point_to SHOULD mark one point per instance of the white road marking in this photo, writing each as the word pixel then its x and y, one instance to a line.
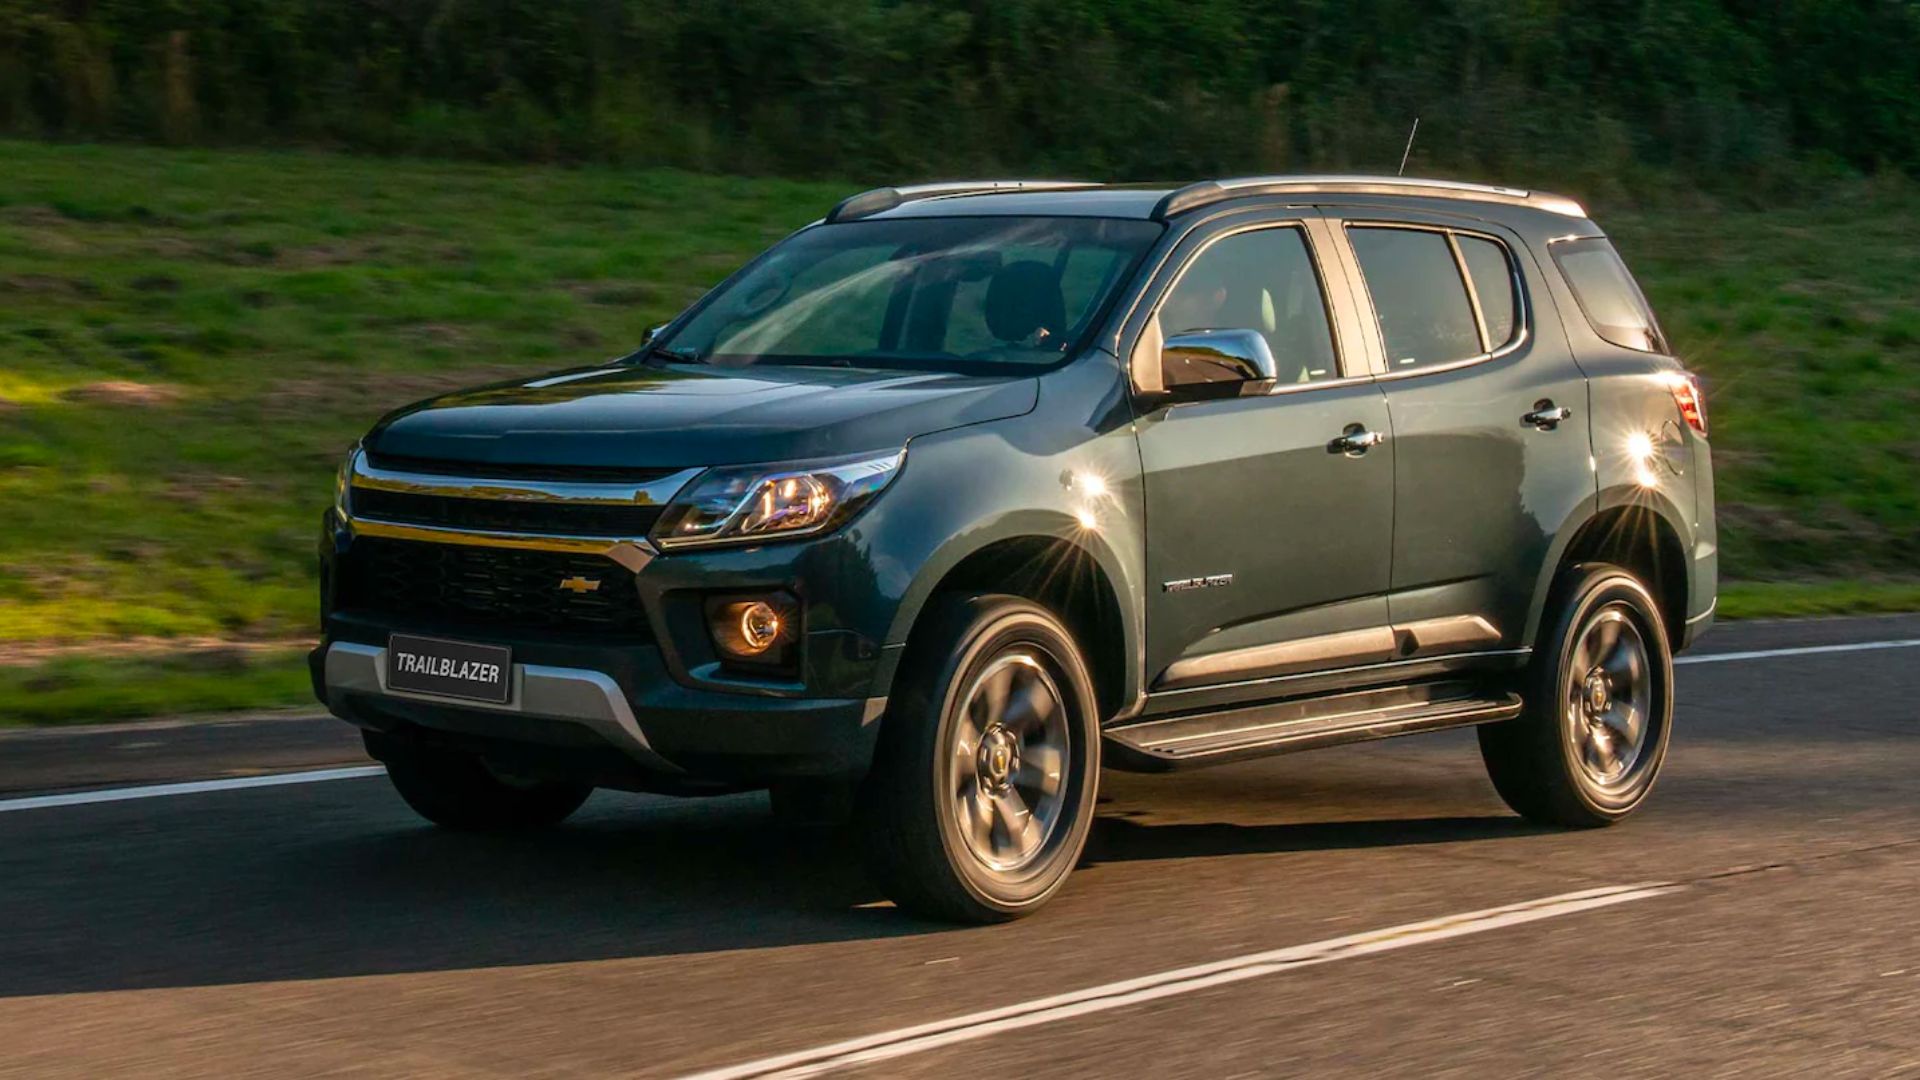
pixel 913 1040
pixel 155 791
pixel 1806 650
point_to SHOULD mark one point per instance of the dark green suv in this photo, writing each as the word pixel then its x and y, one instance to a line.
pixel 967 490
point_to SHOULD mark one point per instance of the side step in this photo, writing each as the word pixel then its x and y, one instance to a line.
pixel 1286 726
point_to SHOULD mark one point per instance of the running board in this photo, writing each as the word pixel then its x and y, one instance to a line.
pixel 1286 726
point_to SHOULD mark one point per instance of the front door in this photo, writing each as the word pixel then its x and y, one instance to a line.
pixel 1268 545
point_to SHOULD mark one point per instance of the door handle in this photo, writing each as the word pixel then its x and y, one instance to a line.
pixel 1546 415
pixel 1355 440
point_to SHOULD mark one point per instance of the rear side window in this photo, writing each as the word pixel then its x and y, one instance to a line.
pixel 1418 296
pixel 1613 304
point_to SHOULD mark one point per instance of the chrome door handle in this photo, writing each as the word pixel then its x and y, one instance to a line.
pixel 1546 415
pixel 1356 440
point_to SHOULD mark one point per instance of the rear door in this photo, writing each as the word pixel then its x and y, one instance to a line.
pixel 1267 552
pixel 1489 414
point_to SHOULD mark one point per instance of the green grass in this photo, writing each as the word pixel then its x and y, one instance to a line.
pixel 1805 322
pixel 1786 599
pixel 276 304
pixel 261 309
pixel 79 690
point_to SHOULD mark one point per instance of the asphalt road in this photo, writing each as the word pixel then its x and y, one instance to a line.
pixel 319 928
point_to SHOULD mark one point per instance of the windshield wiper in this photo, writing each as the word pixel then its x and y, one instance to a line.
pixel 807 361
pixel 678 356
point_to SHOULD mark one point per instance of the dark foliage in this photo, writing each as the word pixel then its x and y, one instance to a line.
pixel 1735 94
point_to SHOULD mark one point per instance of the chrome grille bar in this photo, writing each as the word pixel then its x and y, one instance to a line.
pixel 652 493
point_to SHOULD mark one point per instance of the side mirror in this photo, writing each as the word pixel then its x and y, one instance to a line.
pixel 1217 363
pixel 646 339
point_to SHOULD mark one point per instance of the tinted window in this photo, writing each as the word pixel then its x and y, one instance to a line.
pixel 953 294
pixel 1425 317
pixel 1087 273
pixel 846 316
pixel 1612 302
pixel 1493 285
pixel 1262 281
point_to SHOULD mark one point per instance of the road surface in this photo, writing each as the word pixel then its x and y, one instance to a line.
pixel 1359 911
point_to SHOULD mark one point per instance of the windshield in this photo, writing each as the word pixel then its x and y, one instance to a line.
pixel 964 294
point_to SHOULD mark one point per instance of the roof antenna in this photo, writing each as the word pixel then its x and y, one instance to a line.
pixel 1409 150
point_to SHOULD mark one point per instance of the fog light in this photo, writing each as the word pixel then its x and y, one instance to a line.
pixel 759 627
pixel 757 632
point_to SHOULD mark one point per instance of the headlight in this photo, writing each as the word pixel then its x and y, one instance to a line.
pixel 343 482
pixel 737 505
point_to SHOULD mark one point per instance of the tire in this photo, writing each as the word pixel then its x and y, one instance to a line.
pixel 982 788
pixel 1599 706
pixel 458 791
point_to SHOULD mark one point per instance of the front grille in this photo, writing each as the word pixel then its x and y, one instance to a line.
pixel 490 589
pixel 616 521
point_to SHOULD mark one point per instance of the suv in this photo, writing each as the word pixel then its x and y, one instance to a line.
pixel 966 490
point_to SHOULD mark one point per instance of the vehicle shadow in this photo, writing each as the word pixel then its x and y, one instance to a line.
pixel 1120 839
pixel 349 892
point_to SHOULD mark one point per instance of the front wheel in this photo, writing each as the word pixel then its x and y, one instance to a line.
pixel 1599 706
pixel 982 789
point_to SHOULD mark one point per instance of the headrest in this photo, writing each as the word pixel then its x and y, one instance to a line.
pixel 1022 298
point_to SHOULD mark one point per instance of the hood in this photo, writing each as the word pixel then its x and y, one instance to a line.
pixel 677 416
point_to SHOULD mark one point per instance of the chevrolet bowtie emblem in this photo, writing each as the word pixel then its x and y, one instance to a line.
pixel 581 585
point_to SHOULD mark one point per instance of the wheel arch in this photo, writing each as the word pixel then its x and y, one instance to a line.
pixel 1073 576
pixel 1639 535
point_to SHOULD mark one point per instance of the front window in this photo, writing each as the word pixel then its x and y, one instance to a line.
pixel 964 294
pixel 1264 281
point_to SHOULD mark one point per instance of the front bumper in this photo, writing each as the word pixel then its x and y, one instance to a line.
pixel 626 707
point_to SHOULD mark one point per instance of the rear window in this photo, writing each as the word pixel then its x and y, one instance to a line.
pixel 1613 304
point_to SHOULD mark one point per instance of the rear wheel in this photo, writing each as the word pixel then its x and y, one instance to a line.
pixel 1599 706
pixel 982 789
pixel 458 791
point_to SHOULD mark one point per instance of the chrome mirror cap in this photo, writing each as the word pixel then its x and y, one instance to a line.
pixel 1208 357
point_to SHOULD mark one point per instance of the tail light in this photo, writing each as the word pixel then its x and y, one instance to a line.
pixel 1690 397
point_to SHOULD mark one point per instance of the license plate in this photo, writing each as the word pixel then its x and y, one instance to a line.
pixel 450 668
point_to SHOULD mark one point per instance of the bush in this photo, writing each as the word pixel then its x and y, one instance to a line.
pixel 1726 93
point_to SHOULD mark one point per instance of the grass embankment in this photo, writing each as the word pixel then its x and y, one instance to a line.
pixel 189 340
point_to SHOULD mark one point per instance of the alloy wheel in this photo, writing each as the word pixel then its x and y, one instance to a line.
pixel 1007 769
pixel 1609 699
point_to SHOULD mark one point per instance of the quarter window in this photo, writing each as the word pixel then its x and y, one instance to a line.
pixel 1265 281
pixel 1425 315
pixel 1492 277
pixel 1614 305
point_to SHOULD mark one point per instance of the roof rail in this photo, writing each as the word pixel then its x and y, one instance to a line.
pixel 1208 192
pixel 879 200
